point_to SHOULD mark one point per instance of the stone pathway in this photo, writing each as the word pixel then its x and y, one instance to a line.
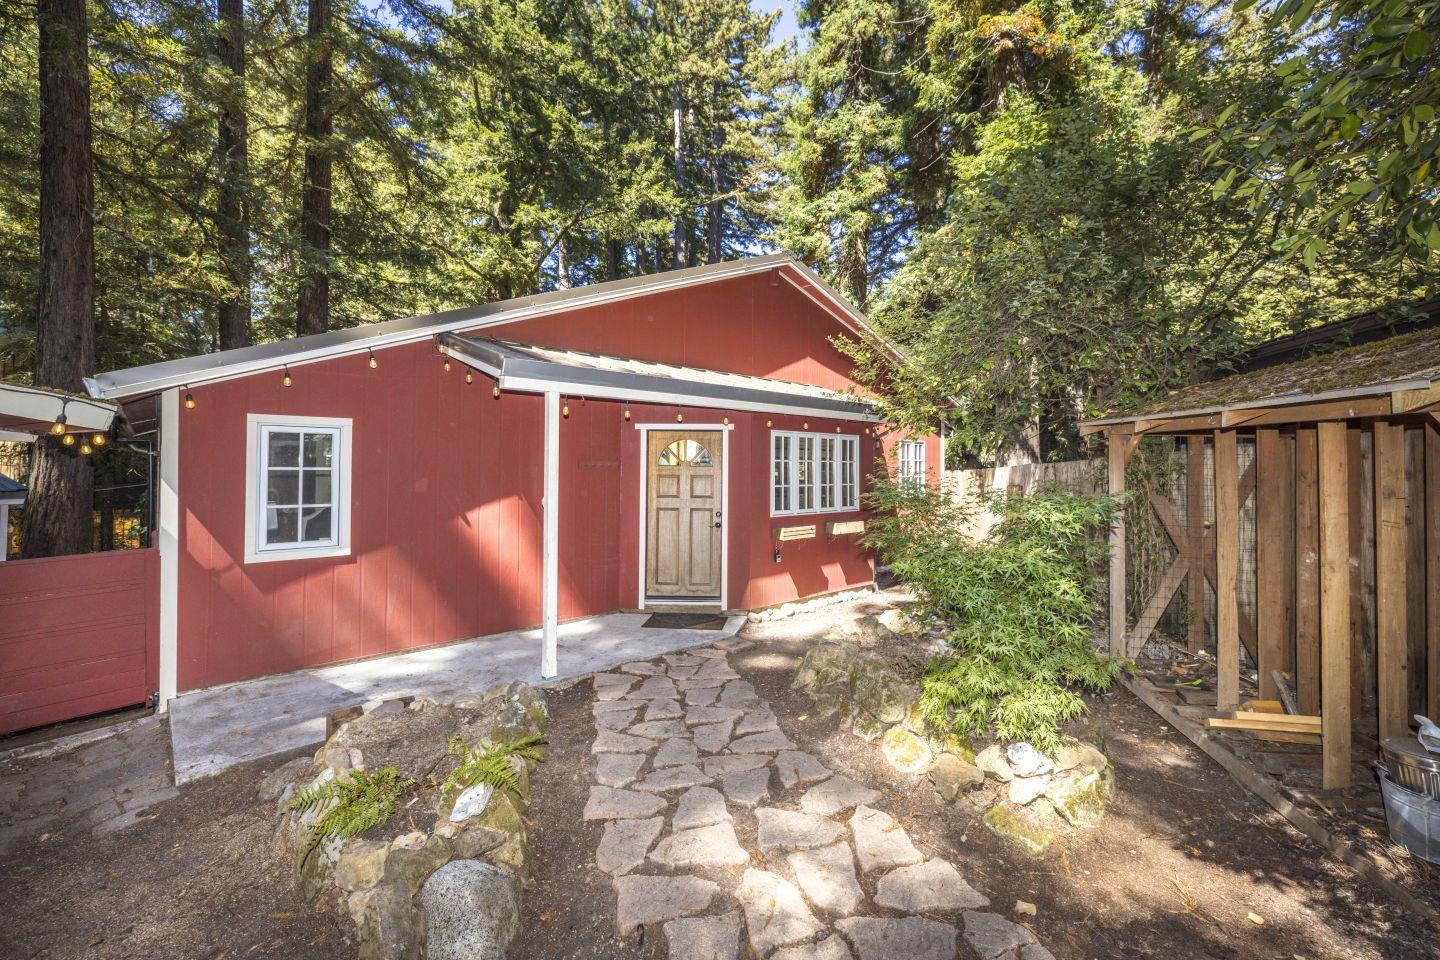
pixel 724 835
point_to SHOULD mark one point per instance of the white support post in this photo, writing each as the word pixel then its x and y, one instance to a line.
pixel 550 576
pixel 4 530
pixel 169 542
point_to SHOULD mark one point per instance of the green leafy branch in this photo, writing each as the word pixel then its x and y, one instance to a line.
pixel 351 804
pixel 487 762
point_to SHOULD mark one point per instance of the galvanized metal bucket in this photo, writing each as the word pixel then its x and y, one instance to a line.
pixel 1411 765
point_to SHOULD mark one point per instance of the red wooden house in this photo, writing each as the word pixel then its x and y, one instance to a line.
pixel 625 445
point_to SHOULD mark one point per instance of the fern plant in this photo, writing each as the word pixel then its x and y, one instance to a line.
pixel 352 804
pixel 486 762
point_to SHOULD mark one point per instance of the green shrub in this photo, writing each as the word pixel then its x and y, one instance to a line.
pixel 1018 607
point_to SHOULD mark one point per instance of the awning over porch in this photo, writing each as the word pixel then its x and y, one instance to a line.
pixel 28 412
pixel 530 368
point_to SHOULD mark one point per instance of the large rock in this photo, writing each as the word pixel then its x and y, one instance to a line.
pixel 952 776
pixel 388 925
pixel 992 761
pixel 472 911
pixel 907 752
pixel 882 693
pixel 825 658
pixel 1080 800
pixel 361 864
pixel 1018 826
pixel 796 768
pixel 700 807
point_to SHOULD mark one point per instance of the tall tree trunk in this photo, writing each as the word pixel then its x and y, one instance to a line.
pixel 678 260
pixel 233 211
pixel 57 518
pixel 715 209
pixel 562 264
pixel 855 268
pixel 613 252
pixel 312 314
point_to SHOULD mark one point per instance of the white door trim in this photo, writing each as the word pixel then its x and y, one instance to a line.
pixel 550 566
pixel 169 504
pixel 724 431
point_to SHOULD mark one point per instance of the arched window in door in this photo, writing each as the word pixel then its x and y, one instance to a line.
pixel 680 453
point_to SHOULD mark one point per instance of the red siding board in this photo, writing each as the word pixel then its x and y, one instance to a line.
pixel 446 489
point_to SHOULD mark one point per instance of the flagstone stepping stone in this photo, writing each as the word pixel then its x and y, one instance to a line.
pixel 672 778
pixel 704 938
pixel 740 693
pixel 696 716
pixel 775 913
pixel 713 737
pixel 615 721
pixel 991 935
pixel 731 762
pixel 711 652
pixel 761 720
pixel 796 768
pixel 674 753
pixel 1033 951
pixel 682 672
pixel 625 843
pixel 716 670
pixel 885 938
pixel 880 842
pixel 836 795
pixel 643 668
pixel 700 807
pixel 831 948
pixel 712 846
pixel 700 696
pixel 731 644
pixel 787 830
pixel 618 769
pixel 684 659
pixel 601 707
pixel 827 877
pixel 746 787
pixel 654 688
pixel 664 710
pixel 645 899
pixel 927 887
pixel 762 743
pixel 611 686
pixel 608 741
pixel 659 729
pixel 608 803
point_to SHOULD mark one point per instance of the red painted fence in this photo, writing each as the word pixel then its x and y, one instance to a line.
pixel 78 635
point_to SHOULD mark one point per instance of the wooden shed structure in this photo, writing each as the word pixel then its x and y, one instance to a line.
pixel 1315 509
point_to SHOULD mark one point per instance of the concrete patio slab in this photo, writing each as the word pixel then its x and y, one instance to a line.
pixel 219 727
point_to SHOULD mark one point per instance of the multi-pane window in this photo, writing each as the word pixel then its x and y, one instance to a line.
pixel 813 473
pixel 298 502
pixel 910 457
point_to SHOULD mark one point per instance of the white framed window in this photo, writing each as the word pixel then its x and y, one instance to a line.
pixel 910 457
pixel 297 487
pixel 813 473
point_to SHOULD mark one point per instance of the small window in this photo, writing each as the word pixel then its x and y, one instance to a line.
pixel 910 457
pixel 685 453
pixel 813 473
pixel 297 504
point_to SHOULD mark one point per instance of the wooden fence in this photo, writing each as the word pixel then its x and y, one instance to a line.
pixel 970 485
pixel 78 635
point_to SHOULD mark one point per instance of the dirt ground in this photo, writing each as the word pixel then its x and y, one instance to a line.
pixel 1182 859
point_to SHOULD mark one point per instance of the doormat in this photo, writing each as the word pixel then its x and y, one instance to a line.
pixel 685 621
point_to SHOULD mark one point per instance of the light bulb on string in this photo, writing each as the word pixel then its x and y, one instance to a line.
pixel 769 423
pixel 58 427
pixel 447 364
pixel 468 377
pixel 189 398
pixel 495 391
pixel 287 381
pixel 806 425
pixel 85 449
pixel 565 409
pixel 98 439
pixel 373 362
pixel 679 418
pixel 627 411
pixel 68 439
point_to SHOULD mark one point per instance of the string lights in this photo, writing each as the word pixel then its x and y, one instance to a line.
pixel 189 398
pixel 627 411
pixel 68 439
pixel 85 449
pixel 98 439
pixel 58 427
pixel 373 362
pixel 679 418
pixel 468 377
pixel 495 390
pixel 287 381
pixel 565 410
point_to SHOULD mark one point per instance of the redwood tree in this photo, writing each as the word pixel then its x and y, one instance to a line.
pixel 233 209
pixel 312 314
pixel 57 518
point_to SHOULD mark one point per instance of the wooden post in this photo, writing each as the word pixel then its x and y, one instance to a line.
pixel 1195 536
pixel 1307 571
pixel 1391 650
pixel 1116 474
pixel 1275 550
pixel 1432 568
pixel 1334 606
pixel 1359 656
pixel 1227 564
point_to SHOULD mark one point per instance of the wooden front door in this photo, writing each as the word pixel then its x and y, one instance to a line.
pixel 684 526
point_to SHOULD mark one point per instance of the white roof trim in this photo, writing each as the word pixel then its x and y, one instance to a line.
pixel 230 364
pixel 43 406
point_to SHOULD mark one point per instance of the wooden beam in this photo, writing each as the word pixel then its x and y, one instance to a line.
pixel 1432 569
pixel 1307 570
pixel 1327 411
pixel 1247 483
pixel 1274 550
pixel 1334 605
pixel 1195 537
pixel 1115 473
pixel 1200 424
pixel 1227 565
pixel 1391 649
pixel 1155 606
pixel 1236 418
pixel 1166 514
pixel 1249 637
pixel 1408 401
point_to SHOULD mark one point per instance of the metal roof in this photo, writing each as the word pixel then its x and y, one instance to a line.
pixel 530 368
pixel 26 412
pixel 11 491
pixel 227 364
pixel 1407 362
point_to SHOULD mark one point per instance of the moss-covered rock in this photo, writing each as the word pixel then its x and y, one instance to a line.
pixel 882 692
pixel 1017 826
pixel 1080 800
pixel 906 751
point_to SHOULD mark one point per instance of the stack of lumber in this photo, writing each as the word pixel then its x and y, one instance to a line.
pixel 1267 720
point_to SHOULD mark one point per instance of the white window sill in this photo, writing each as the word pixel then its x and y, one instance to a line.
pixel 297 553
